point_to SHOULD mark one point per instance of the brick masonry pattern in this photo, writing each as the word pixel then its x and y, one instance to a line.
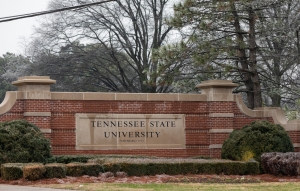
pixel 197 120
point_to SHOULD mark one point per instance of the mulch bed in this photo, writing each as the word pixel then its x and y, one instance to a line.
pixel 159 179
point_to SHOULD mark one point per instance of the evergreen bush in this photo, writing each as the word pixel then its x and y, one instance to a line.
pixel 111 167
pixel 281 163
pixel 92 169
pixel 254 139
pixel 55 170
pixel 21 141
pixel 134 169
pixel 70 158
pixel 12 171
pixel 75 169
pixel 34 171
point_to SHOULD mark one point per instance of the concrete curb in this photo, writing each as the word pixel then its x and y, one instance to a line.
pixel 5 187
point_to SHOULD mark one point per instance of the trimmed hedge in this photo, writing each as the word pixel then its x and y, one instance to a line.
pixel 133 169
pixel 254 139
pixel 138 167
pixel 55 170
pixel 12 171
pixel 281 163
pixel 180 166
pixel 111 167
pixel 34 171
pixel 75 169
pixel 92 169
pixel 66 159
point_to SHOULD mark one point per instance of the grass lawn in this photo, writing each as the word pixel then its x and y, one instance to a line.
pixel 178 186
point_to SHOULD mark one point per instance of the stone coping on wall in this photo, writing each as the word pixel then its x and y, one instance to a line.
pixel 8 102
pixel 127 96
pixel 38 87
pixel 261 112
pixel 276 113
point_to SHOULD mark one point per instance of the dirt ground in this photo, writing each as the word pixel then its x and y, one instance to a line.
pixel 121 178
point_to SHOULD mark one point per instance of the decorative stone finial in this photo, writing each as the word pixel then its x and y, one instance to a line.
pixel 33 80
pixel 34 87
pixel 217 90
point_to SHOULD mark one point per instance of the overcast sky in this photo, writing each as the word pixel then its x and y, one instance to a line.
pixel 13 33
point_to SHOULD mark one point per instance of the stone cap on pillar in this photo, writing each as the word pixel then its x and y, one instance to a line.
pixel 34 87
pixel 217 90
pixel 34 80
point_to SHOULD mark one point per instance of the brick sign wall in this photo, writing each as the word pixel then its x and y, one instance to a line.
pixel 170 125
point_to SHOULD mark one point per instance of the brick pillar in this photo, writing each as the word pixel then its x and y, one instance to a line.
pixel 35 91
pixel 220 112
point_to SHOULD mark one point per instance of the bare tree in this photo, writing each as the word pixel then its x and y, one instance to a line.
pixel 279 52
pixel 109 45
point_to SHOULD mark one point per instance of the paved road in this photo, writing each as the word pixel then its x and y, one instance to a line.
pixel 4 187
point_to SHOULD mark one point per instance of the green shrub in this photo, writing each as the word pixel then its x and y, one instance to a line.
pixel 281 163
pixel 92 169
pixel 70 158
pixel 134 169
pixel 75 169
pixel 34 171
pixel 188 168
pixel 172 168
pixel 140 167
pixel 12 171
pixel 55 170
pixel 155 168
pixel 22 142
pixel 229 168
pixel 203 167
pixel 254 139
pixel 111 167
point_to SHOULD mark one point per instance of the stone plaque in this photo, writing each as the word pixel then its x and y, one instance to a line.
pixel 129 131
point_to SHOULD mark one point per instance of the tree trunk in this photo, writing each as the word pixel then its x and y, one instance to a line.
pixel 242 59
pixel 252 60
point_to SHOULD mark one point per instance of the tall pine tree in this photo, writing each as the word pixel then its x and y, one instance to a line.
pixel 223 34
